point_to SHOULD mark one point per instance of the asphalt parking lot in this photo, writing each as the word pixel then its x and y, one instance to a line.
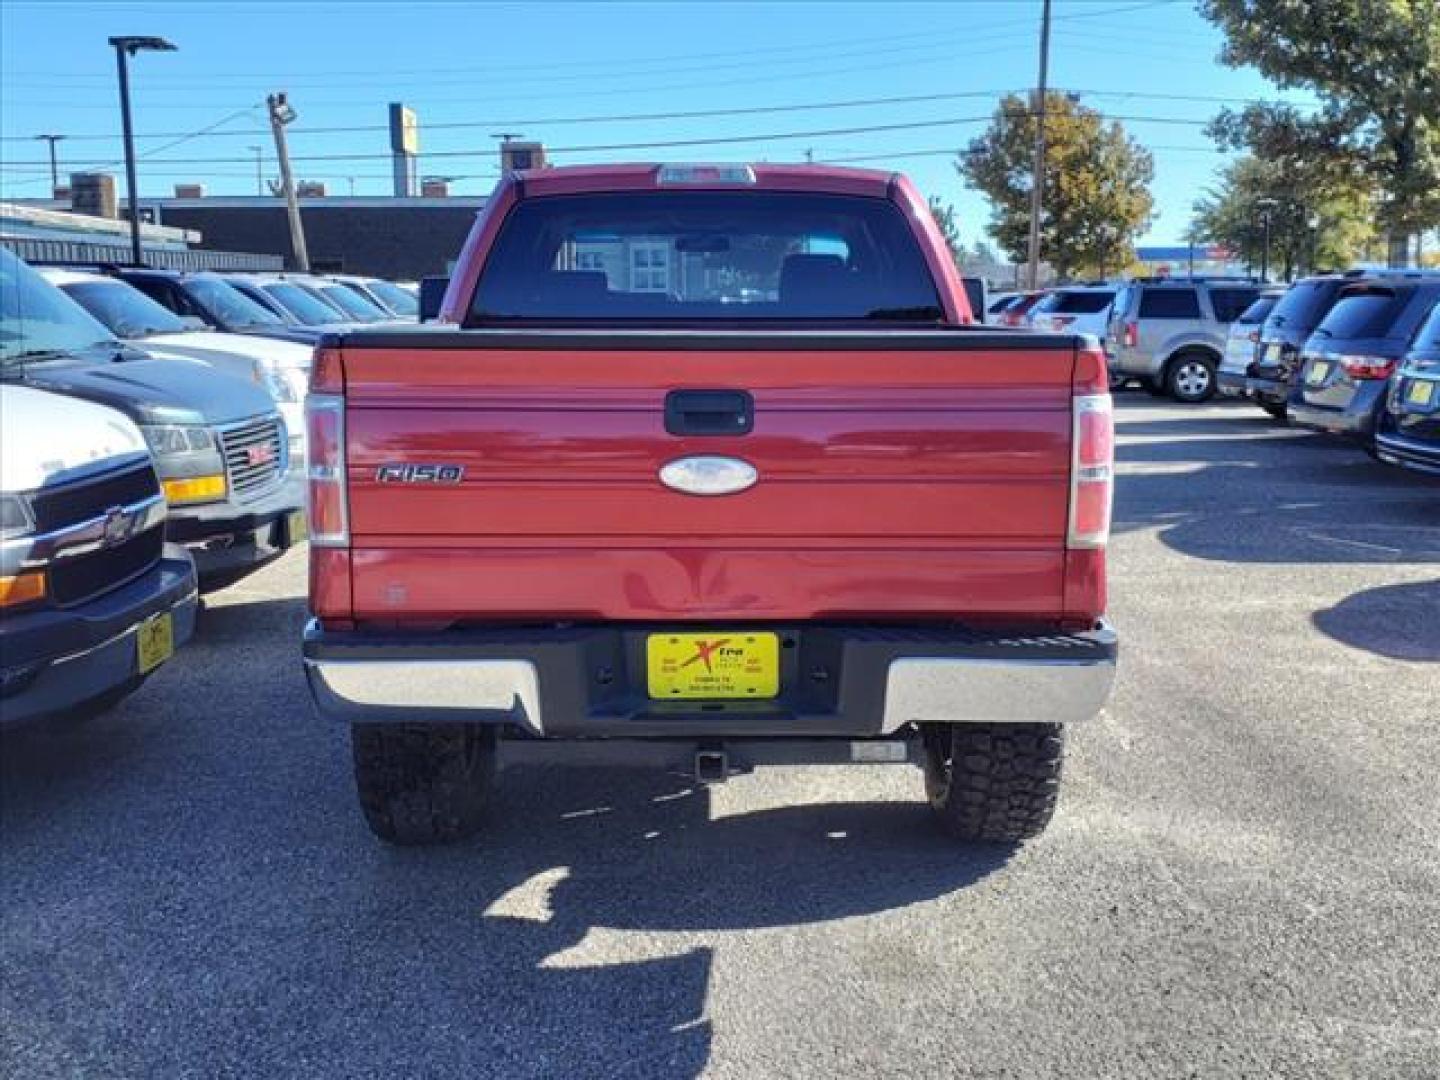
pixel 1243 879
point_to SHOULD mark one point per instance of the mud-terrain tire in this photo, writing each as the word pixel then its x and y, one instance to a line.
pixel 995 782
pixel 423 783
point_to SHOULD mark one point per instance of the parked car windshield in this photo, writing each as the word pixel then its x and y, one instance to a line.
pixel 128 312
pixel 1303 305
pixel 1367 314
pixel 308 308
pixel 401 302
pixel 227 305
pixel 668 256
pixel 36 318
pixel 351 303
pixel 1076 301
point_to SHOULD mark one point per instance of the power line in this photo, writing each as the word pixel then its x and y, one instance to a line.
pixel 672 143
pixel 694 114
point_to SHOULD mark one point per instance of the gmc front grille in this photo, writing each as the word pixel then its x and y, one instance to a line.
pixel 255 455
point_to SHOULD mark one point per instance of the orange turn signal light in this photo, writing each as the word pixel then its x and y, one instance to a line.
pixel 24 588
pixel 194 489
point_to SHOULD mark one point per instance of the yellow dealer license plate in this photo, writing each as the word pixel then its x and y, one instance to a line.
pixel 1272 354
pixel 1318 371
pixel 735 664
pixel 295 526
pixel 154 642
pixel 1421 392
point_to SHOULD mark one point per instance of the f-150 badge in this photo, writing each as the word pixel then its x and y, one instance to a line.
pixel 419 474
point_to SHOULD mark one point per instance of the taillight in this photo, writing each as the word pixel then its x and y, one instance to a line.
pixel 325 469
pixel 1367 367
pixel 327 372
pixel 1130 335
pixel 1092 471
pixel 1254 336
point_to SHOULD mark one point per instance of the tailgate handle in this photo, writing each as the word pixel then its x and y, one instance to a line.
pixel 709 412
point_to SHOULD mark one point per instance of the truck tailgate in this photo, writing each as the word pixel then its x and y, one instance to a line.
pixel 901 473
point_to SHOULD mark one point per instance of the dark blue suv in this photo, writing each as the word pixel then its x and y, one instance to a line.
pixel 1348 359
pixel 1409 432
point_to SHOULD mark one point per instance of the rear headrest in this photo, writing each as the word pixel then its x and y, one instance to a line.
pixel 805 275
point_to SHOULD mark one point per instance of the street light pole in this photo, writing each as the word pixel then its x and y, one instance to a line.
pixel 1265 205
pixel 282 113
pixel 126 47
pixel 54 163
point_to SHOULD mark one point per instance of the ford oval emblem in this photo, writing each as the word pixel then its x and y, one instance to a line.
pixel 709 475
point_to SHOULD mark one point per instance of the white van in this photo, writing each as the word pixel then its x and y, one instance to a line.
pixel 92 598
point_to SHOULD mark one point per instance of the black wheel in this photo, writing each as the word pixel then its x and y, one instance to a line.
pixel 993 781
pixel 423 783
pixel 1278 411
pixel 1190 378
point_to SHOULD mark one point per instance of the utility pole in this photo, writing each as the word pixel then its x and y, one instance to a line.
pixel 54 163
pixel 126 47
pixel 1037 183
pixel 259 152
pixel 1266 206
pixel 281 114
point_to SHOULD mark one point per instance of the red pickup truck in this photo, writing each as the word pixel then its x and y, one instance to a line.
pixel 708 465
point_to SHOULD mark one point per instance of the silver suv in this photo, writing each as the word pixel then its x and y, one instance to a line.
pixel 1170 332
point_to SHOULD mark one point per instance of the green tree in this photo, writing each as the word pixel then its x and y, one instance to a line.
pixel 1097 184
pixel 1375 66
pixel 944 215
pixel 1315 223
pixel 984 254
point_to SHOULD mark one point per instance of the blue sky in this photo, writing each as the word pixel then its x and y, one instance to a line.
pixel 529 68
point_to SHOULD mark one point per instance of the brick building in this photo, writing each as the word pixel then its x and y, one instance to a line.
pixel 396 238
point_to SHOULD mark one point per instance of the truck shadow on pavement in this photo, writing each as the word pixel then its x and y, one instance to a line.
pixel 190 889
pixel 1401 622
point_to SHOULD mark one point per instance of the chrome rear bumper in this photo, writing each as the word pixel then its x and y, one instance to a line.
pixel 837 681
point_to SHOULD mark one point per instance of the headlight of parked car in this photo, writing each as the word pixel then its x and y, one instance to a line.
pixel 188 461
pixel 281 387
pixel 20 587
pixel 15 517
pixel 172 439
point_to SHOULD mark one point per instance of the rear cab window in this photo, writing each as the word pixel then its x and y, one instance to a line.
pixel 671 257
pixel 1169 303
